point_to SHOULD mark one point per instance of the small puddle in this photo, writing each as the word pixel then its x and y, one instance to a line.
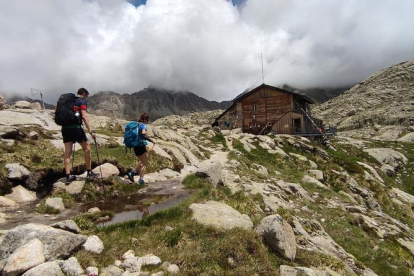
pixel 135 206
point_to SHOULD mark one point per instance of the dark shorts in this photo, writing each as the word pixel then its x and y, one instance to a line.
pixel 74 135
pixel 140 150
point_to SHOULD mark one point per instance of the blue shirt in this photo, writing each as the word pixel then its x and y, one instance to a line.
pixel 142 142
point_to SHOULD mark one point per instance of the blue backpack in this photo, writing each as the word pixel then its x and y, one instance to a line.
pixel 132 135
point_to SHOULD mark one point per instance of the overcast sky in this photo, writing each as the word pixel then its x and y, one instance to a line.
pixel 209 47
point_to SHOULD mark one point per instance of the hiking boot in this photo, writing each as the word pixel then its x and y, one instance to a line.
pixel 141 182
pixel 131 176
pixel 91 175
pixel 69 179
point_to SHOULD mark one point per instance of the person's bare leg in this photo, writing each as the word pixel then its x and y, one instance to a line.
pixel 143 158
pixel 87 154
pixel 66 156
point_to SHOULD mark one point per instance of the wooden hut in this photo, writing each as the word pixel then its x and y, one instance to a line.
pixel 267 109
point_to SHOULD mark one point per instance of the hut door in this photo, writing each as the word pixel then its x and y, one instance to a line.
pixel 297 127
pixel 255 128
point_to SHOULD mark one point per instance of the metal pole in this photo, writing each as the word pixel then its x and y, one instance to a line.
pixel 261 56
pixel 73 154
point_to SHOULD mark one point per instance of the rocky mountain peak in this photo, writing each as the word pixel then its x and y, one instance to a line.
pixel 156 102
pixel 384 99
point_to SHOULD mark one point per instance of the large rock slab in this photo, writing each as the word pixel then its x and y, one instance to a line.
pixel 388 156
pixel 17 171
pixel 45 269
pixel 57 243
pixel 210 170
pixel 25 257
pixel 220 215
pixel 278 235
pixel 409 138
pixel 21 195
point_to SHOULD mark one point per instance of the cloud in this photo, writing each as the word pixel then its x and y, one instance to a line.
pixel 211 48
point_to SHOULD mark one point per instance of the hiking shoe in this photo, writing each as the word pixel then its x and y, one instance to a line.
pixel 141 182
pixel 131 176
pixel 91 175
pixel 69 179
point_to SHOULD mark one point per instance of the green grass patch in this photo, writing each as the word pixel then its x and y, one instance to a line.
pixel 219 139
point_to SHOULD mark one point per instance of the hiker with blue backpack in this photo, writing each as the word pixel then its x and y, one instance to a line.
pixel 136 137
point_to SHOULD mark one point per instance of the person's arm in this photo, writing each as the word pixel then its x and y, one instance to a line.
pixel 85 119
pixel 145 136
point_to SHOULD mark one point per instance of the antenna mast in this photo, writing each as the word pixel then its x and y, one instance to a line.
pixel 261 56
pixel 36 92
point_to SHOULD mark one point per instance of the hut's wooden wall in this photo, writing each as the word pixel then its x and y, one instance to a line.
pixel 267 110
pixel 263 108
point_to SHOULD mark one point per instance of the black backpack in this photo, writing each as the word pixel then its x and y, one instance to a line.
pixel 64 112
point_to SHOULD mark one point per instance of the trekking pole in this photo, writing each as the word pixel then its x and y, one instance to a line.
pixel 73 154
pixel 100 169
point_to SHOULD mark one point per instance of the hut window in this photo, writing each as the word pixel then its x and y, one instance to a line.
pixel 254 107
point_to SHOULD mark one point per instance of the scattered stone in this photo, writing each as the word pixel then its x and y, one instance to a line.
pixel 260 169
pixel 171 268
pixel 6 202
pixel 286 270
pixel 278 235
pixel 67 225
pixel 129 253
pixel 131 264
pixel 57 243
pixel 107 170
pixel 369 272
pixel 93 244
pixel 169 228
pixel 149 260
pixel 299 157
pixel 134 240
pixel 160 273
pixel 25 257
pixel 111 271
pixel 74 188
pixel 220 215
pixel 71 267
pixel 317 174
pixel 94 210
pixel 409 245
pixel 35 106
pixel 210 170
pixel 92 271
pixel 311 180
pixel 17 171
pixel 23 105
pixel 313 164
pixel 45 269
pixel 21 195
pixel 55 203
pixel 388 169
pixel 34 135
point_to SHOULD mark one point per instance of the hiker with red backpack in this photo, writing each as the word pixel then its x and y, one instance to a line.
pixel 71 113
pixel 136 137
